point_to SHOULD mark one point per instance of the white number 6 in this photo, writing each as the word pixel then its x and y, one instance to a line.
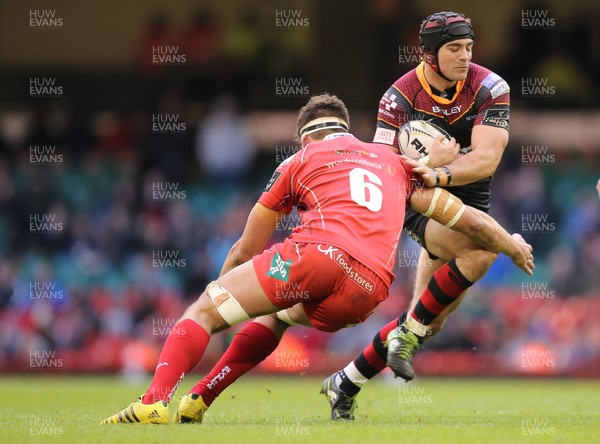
pixel 361 181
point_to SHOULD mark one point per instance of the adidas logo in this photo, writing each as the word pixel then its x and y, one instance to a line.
pixel 153 414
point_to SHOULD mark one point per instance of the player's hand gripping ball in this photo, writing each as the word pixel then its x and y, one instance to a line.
pixel 415 138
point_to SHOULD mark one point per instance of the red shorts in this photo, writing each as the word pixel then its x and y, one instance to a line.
pixel 336 290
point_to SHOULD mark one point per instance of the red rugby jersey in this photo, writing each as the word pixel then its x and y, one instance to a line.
pixel 349 194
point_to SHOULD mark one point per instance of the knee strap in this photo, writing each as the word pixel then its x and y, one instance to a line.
pixel 283 316
pixel 227 305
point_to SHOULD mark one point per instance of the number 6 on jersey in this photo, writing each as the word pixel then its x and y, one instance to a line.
pixel 362 180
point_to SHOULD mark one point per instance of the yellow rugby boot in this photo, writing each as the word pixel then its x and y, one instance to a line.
pixel 138 413
pixel 191 409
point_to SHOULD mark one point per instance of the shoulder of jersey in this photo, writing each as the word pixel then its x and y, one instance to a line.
pixel 488 79
pixel 410 78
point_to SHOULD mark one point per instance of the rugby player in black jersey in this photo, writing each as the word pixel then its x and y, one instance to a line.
pixel 472 104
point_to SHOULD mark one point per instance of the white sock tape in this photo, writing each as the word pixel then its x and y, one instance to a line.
pixel 416 327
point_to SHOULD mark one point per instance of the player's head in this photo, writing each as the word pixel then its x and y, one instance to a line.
pixel 438 30
pixel 323 114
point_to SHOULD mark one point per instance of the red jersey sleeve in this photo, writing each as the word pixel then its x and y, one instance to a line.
pixel 278 194
pixel 414 181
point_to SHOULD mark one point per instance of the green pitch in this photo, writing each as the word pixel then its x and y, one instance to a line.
pixel 263 410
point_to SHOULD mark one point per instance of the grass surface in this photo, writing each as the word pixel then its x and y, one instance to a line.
pixel 263 410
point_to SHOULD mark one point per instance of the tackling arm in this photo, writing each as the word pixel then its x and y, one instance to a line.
pixel 450 211
pixel 259 228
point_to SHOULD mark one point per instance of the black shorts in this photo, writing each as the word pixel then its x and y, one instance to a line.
pixel 414 225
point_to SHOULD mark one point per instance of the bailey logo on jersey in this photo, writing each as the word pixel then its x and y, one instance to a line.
pixel 447 112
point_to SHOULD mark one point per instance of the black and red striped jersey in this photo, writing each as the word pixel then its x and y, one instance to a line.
pixel 481 99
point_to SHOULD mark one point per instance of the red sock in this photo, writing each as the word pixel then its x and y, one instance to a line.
pixel 183 349
pixel 373 358
pixel 252 345
pixel 445 286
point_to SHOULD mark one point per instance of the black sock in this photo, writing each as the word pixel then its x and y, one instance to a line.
pixel 347 386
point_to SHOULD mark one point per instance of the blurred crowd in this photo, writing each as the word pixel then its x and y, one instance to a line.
pixel 108 239
pixel 113 219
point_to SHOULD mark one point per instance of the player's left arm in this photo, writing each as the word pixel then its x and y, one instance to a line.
pixel 259 227
pixel 488 144
pixel 450 211
pixel 489 136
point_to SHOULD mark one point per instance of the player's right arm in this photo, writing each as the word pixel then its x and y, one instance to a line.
pixel 259 228
pixel 276 200
pixel 448 210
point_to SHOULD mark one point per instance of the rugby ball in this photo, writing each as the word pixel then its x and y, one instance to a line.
pixel 416 136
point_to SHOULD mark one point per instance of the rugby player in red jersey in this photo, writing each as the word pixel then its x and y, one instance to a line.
pixel 472 104
pixel 351 197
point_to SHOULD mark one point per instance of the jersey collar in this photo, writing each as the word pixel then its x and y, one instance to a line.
pixel 420 71
pixel 334 135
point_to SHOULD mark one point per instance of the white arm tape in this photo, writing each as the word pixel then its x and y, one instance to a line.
pixel 227 305
pixel 446 212
pixel 455 218
pixel 436 196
